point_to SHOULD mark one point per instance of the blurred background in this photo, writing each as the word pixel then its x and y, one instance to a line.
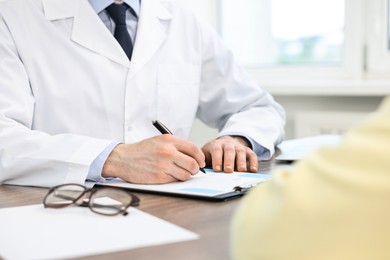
pixel 326 61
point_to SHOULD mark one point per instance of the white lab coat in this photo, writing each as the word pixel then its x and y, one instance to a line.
pixel 67 89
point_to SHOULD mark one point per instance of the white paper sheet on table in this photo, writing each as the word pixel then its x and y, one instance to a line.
pixel 35 232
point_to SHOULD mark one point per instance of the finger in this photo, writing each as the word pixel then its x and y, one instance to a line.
pixel 153 177
pixel 241 158
pixel 191 150
pixel 160 179
pixel 187 163
pixel 179 173
pixel 216 157
pixel 229 156
pixel 207 156
pixel 253 161
pixel 168 167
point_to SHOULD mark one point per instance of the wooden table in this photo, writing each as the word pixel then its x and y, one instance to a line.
pixel 211 220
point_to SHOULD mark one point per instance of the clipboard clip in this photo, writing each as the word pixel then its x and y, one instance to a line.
pixel 242 189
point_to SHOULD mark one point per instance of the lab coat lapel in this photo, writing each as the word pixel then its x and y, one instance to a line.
pixel 88 30
pixel 151 33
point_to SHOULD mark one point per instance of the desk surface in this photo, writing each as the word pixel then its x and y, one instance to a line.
pixel 211 220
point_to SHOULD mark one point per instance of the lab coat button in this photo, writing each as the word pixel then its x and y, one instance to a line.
pixel 129 128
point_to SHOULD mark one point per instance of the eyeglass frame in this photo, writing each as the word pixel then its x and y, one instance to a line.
pixel 135 200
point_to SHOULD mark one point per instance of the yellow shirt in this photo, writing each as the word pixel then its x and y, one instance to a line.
pixel 334 204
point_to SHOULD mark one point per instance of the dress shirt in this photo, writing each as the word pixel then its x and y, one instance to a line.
pixel 100 5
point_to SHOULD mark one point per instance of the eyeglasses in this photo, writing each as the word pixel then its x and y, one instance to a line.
pixel 108 201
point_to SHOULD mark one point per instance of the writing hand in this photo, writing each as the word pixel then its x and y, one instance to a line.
pixel 160 159
pixel 228 153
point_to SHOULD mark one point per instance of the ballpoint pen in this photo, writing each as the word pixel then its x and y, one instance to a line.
pixel 164 130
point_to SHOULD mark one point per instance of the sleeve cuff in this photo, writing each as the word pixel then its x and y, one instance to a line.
pixel 95 170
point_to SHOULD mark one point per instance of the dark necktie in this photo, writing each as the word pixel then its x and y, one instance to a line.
pixel 118 13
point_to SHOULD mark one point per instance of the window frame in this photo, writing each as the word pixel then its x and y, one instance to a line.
pixel 377 40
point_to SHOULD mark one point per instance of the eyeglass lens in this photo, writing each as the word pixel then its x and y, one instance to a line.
pixel 64 195
pixel 110 201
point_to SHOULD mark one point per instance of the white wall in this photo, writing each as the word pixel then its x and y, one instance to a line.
pixel 323 104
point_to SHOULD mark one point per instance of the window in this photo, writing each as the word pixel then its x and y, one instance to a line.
pixel 309 39
pixel 285 32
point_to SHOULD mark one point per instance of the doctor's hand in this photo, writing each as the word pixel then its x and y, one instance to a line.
pixel 161 159
pixel 229 153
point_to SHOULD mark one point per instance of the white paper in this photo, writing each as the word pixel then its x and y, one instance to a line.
pixel 208 185
pixel 35 232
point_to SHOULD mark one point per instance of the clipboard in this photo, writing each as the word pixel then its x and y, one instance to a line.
pixel 214 186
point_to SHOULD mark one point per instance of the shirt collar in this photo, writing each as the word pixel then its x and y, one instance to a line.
pixel 100 5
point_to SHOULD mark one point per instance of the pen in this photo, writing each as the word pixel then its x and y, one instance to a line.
pixel 164 130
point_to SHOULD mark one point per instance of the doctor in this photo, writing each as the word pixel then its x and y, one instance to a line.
pixel 77 103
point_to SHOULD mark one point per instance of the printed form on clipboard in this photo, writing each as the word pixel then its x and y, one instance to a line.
pixel 209 186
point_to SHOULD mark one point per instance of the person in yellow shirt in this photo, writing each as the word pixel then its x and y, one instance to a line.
pixel 333 204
